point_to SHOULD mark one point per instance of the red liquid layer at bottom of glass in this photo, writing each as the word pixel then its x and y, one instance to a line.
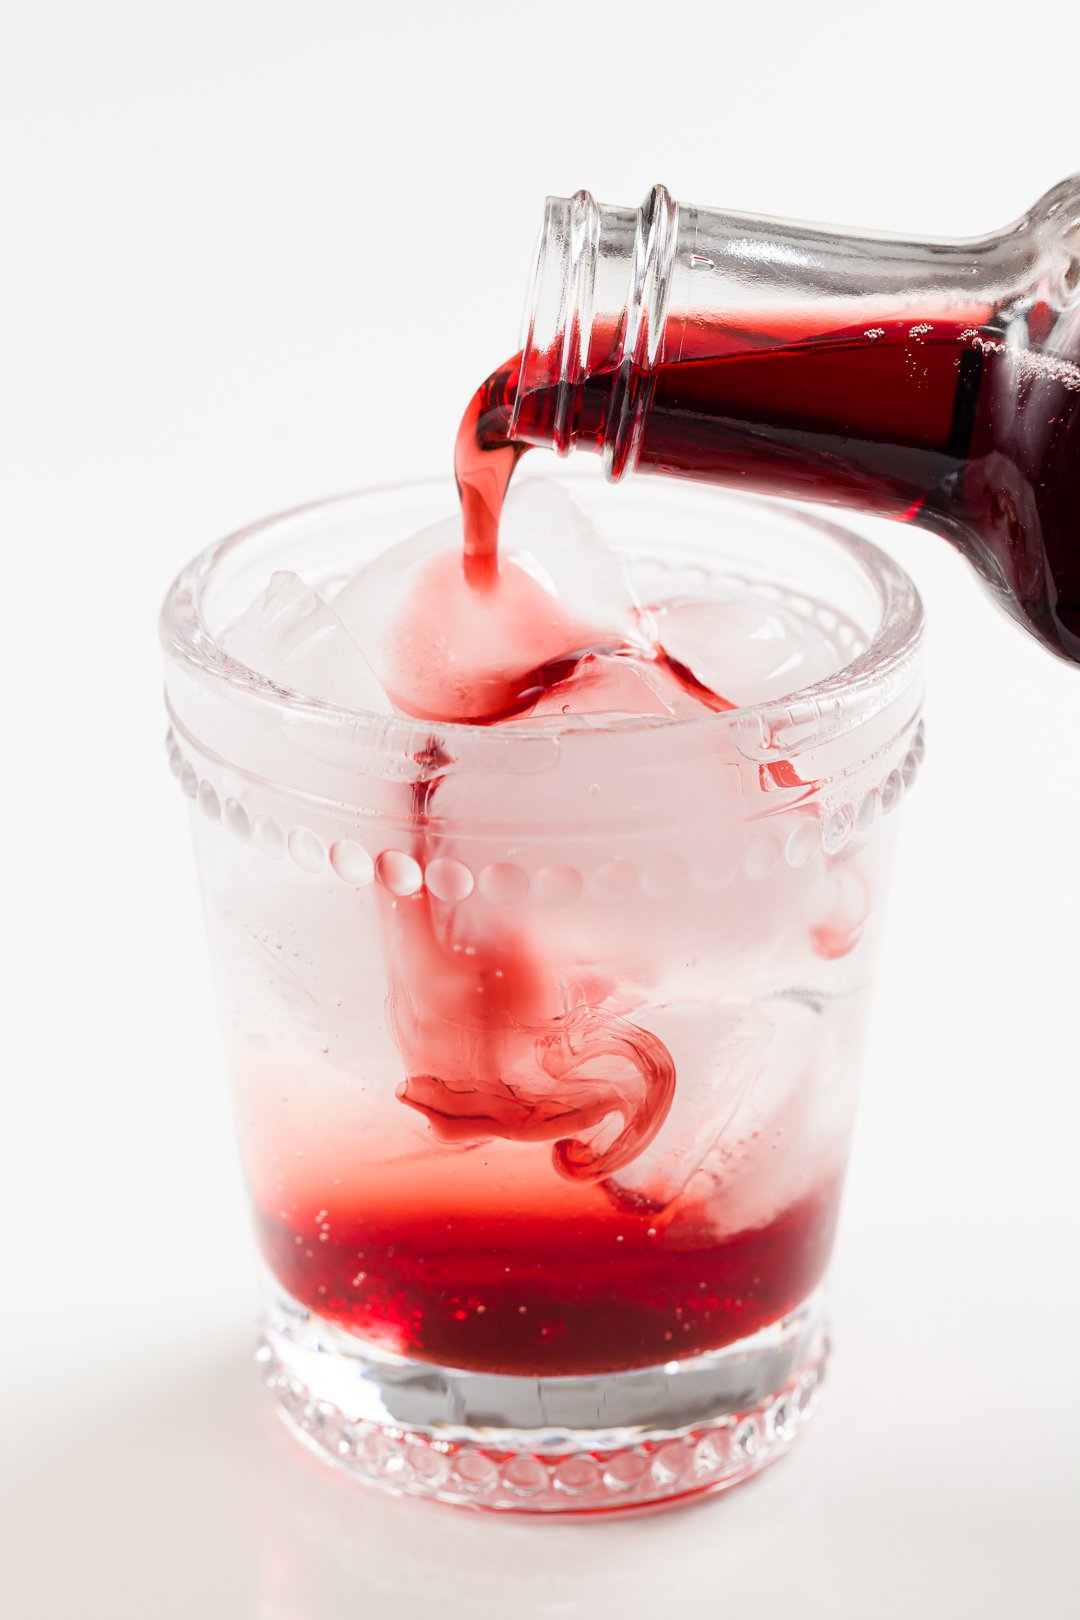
pixel 582 1289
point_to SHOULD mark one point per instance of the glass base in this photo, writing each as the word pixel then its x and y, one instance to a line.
pixel 596 1444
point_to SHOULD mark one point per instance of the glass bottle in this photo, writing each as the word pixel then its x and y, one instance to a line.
pixel 936 381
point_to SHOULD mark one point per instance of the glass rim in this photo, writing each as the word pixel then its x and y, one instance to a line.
pixel 839 702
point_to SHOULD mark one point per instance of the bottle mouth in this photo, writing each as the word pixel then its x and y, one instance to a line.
pixel 558 315
pixel 597 305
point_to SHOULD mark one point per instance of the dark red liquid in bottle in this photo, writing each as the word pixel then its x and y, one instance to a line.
pixel 959 428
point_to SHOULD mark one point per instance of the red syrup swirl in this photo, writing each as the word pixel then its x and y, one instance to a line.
pixel 492 1050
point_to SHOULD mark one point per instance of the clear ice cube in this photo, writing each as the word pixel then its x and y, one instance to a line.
pixel 719 1050
pixel 290 636
pixel 745 647
pixel 551 538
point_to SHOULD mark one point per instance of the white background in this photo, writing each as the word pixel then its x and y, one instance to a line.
pixel 259 252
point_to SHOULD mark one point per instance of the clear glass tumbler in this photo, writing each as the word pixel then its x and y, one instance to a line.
pixel 579 1267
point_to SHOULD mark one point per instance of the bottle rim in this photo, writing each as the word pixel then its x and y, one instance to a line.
pixel 637 249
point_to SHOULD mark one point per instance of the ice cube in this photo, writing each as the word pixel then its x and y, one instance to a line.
pixel 790 1133
pixel 294 639
pixel 745 647
pixel 622 684
pixel 719 1049
pixel 448 649
pixel 548 534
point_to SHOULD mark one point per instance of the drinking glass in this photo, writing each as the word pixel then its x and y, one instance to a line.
pixel 574 1262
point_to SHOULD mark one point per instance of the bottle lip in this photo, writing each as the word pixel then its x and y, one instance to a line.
pixel 559 309
pixel 564 302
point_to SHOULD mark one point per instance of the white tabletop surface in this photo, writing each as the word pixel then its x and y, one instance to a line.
pixel 228 227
